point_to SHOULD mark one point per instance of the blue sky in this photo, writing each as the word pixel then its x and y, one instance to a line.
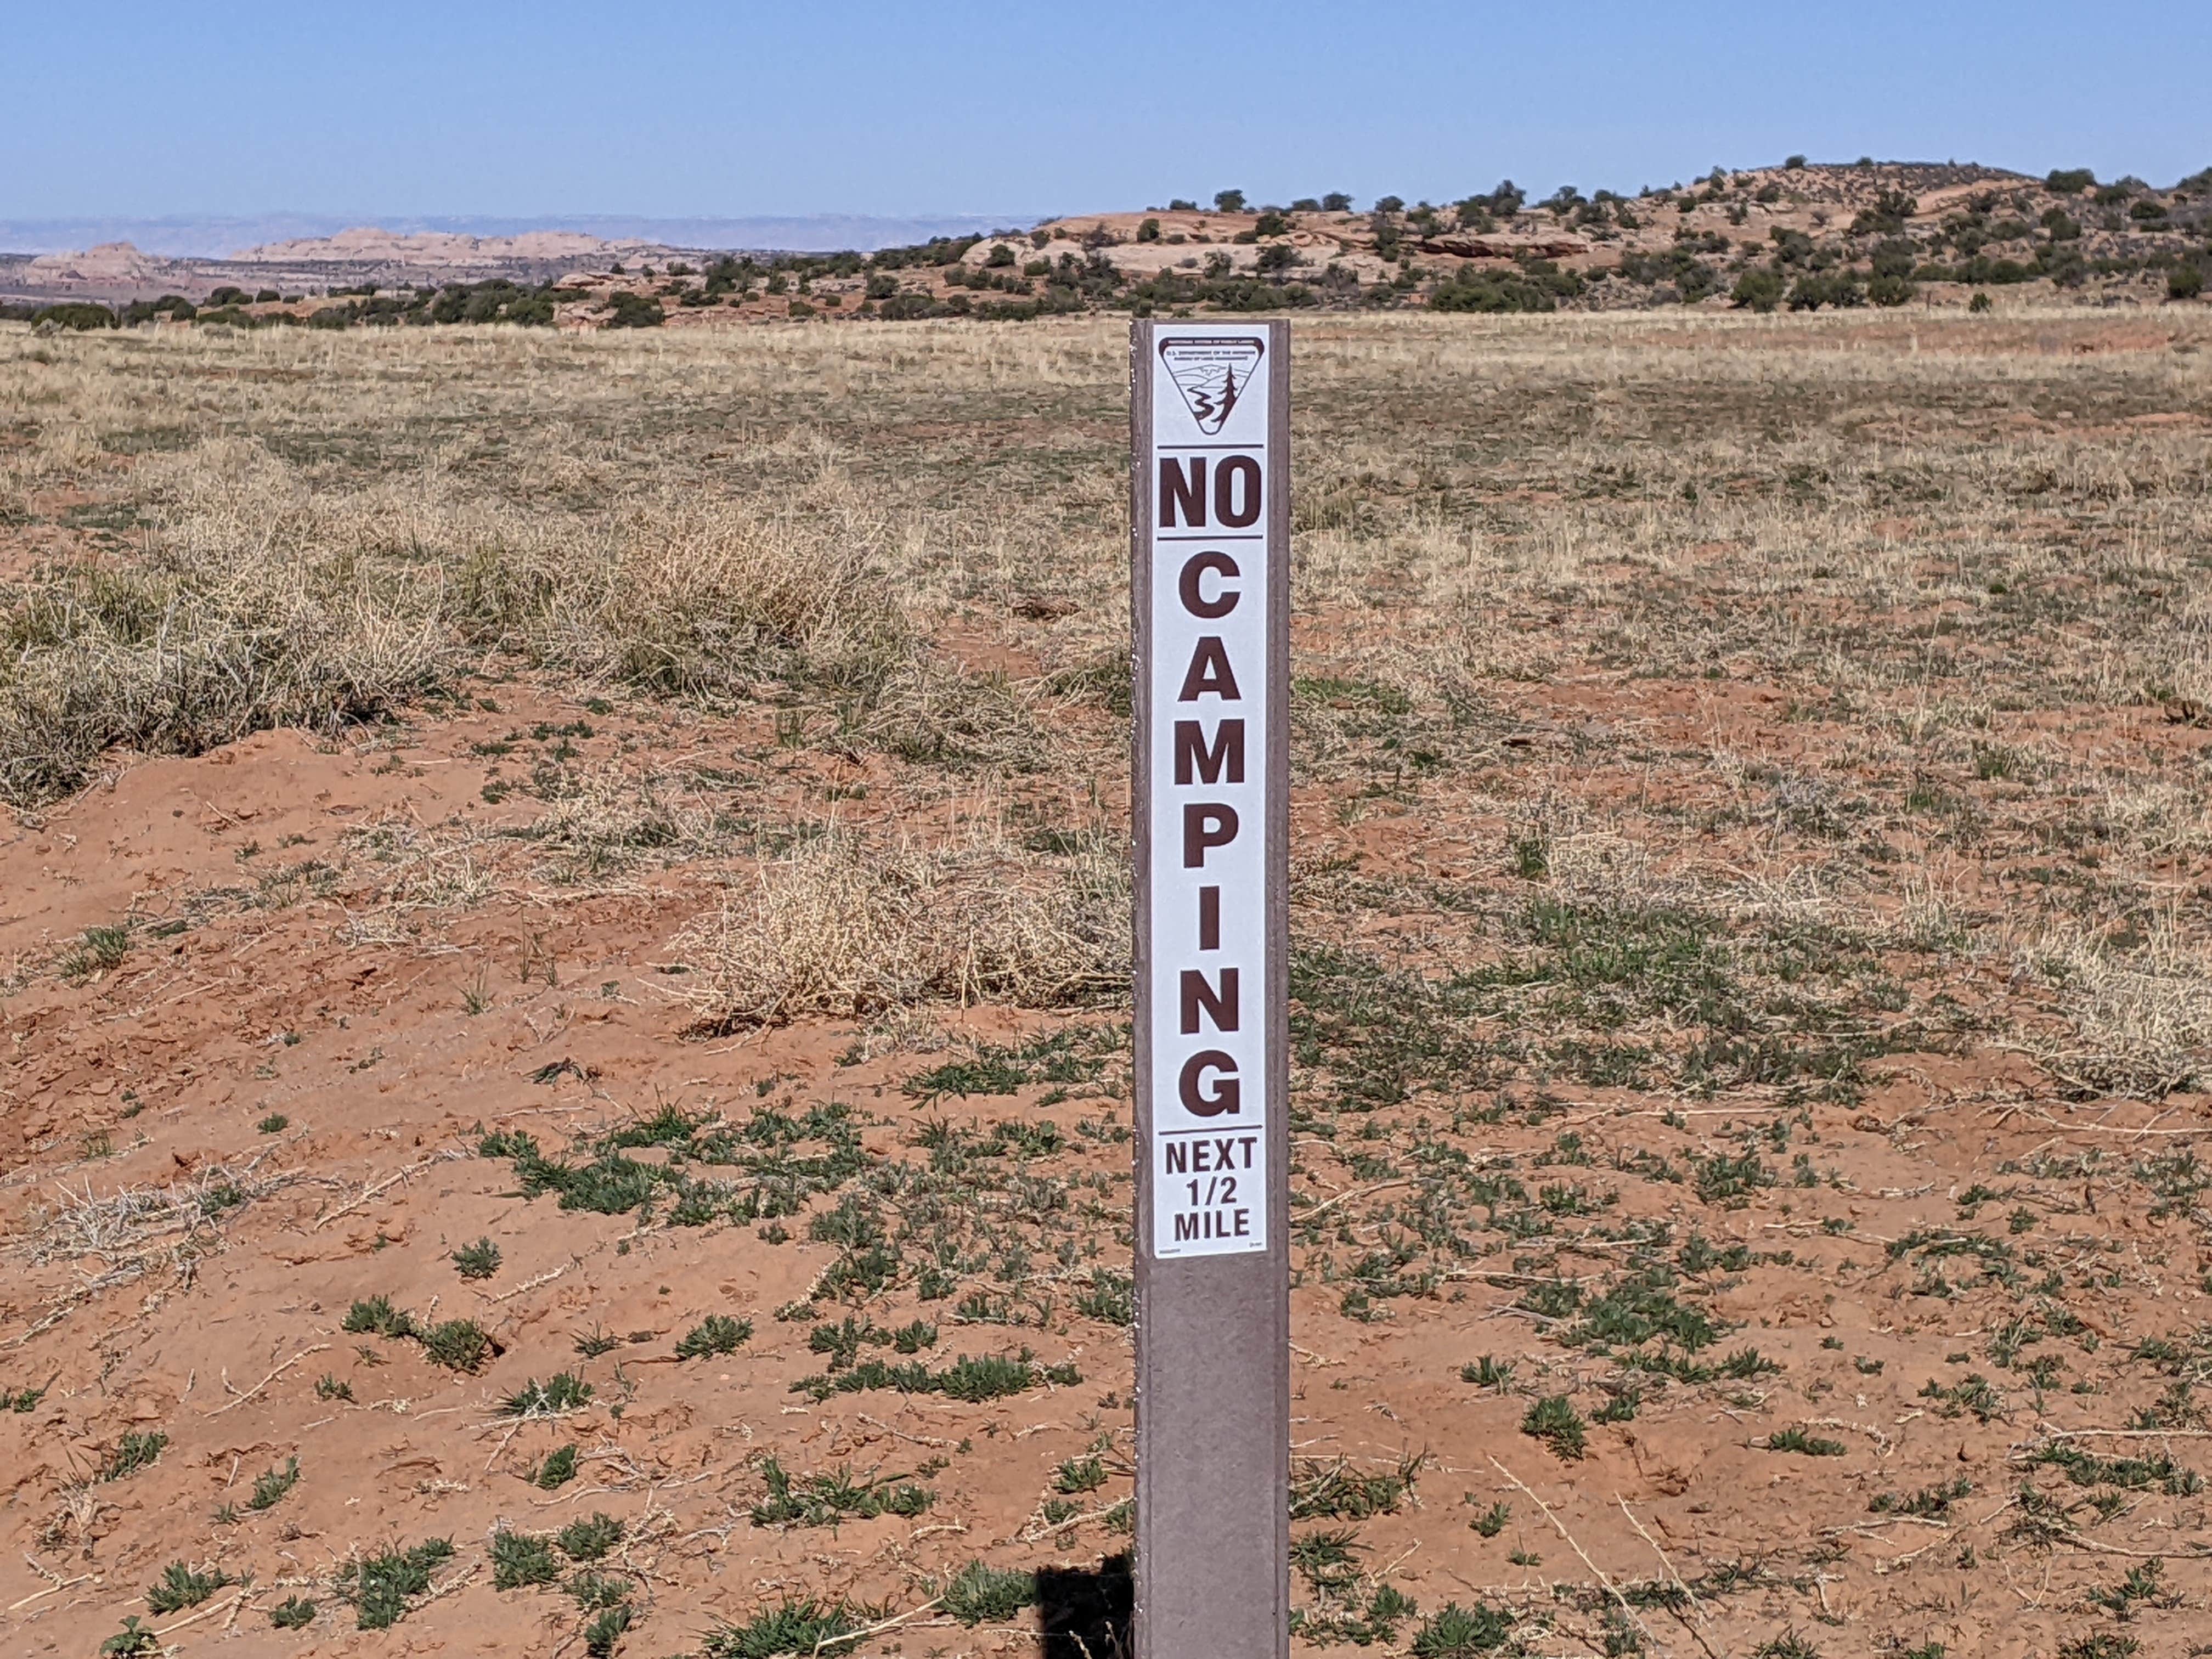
pixel 865 107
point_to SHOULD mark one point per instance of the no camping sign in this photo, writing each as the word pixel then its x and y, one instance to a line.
pixel 1210 610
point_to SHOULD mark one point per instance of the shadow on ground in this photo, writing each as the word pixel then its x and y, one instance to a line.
pixel 1084 1611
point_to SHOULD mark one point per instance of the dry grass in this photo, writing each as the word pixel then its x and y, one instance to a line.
pixel 843 928
pixel 1750 843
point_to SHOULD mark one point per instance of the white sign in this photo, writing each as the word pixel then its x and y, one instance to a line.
pixel 1210 675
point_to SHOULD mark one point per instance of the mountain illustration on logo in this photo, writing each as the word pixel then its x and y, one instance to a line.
pixel 1211 374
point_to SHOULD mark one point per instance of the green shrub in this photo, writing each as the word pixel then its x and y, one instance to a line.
pixel 1759 288
pixel 293 1612
pixel 1148 231
pixel 1229 201
pixel 1980 302
pixel 1891 290
pixel 635 311
pixel 374 1316
pixel 2185 281
pixel 75 314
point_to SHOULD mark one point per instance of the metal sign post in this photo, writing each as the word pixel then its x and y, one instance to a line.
pixel 1209 610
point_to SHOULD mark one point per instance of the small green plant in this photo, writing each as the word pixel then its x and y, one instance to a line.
pixel 978 1594
pixel 374 1316
pixel 131 1641
pixel 1457 1632
pixel 589 1541
pixel 380 1586
pixel 478 1260
pixel 1079 1474
pixel 558 1469
pixel 328 1386
pixel 134 1452
pixel 717 1333
pixel 520 1559
pixel 823 1500
pixel 293 1612
pixel 1337 1492
pixel 21 1399
pixel 182 1587
pixel 1491 1520
pixel 1808 1445
pixel 603 1631
pixel 458 1345
pixel 270 1486
pixel 563 1391
pixel 98 951
pixel 1788 1646
pixel 1488 1372
pixel 800 1624
pixel 1554 1420
pixel 275 1124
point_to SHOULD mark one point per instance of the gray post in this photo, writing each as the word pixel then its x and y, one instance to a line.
pixel 1209 421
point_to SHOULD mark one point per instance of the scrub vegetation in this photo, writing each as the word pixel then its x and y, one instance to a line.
pixel 644 815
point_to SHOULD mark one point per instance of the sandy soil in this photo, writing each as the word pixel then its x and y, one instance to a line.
pixel 1864 1248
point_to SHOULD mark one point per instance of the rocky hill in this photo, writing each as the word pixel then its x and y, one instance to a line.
pixel 1799 236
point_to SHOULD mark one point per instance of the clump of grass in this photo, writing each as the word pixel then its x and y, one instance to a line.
pixel 380 1586
pixel 717 1333
pixel 134 1452
pixel 374 1316
pixel 520 1559
pixel 1110 1297
pixel 823 1500
pixel 971 1379
pixel 846 929
pixel 1339 1492
pixel 478 1261
pixel 293 1612
pixel 328 1386
pixel 1456 1633
pixel 276 1123
pixel 1804 1444
pixel 799 1625
pixel 558 1469
pixel 98 949
pixel 1488 1372
pixel 458 1345
pixel 978 1594
pixel 589 1539
pixel 1554 1420
pixel 270 1487
pixel 563 1391
pixel 1079 1474
pixel 593 1590
pixel 603 1631
pixel 1491 1520
pixel 20 1400
pixel 182 1587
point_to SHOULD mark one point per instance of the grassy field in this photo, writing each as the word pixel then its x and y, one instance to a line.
pixel 564 953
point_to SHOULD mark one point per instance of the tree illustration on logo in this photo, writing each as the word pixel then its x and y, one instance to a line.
pixel 1212 372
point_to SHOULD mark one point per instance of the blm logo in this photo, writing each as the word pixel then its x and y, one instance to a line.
pixel 1211 374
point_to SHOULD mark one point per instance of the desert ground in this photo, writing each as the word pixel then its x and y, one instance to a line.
pixel 563 949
